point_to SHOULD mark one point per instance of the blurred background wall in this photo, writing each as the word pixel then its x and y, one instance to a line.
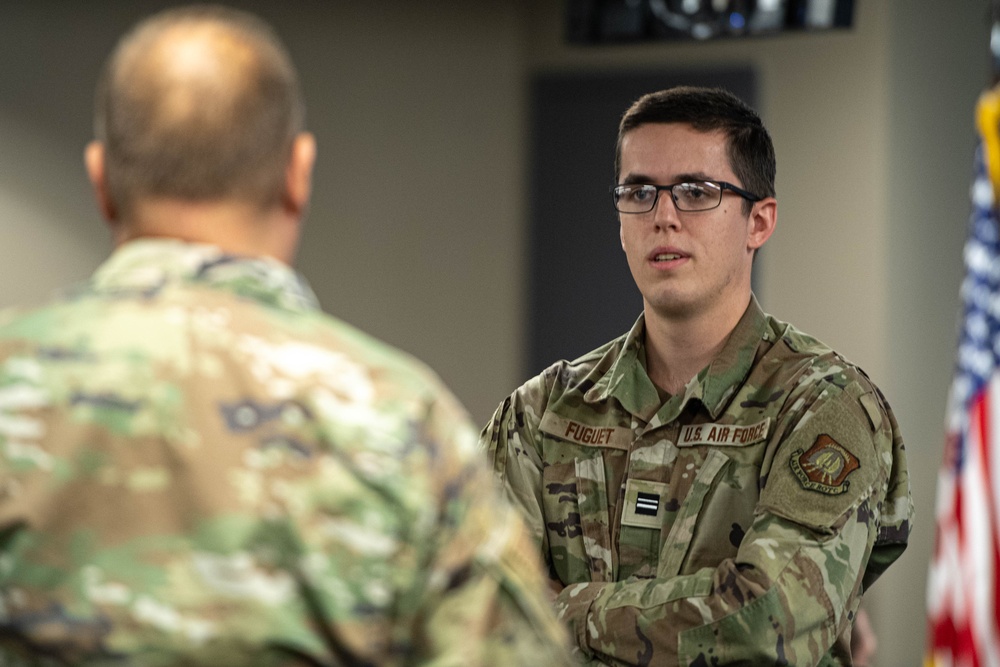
pixel 873 129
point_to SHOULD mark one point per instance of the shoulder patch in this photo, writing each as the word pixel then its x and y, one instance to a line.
pixel 824 467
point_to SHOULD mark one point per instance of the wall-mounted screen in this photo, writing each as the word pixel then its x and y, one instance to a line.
pixel 615 21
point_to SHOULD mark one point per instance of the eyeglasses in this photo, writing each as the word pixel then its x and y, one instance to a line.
pixel 690 196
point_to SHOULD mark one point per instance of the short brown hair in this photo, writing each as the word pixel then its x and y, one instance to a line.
pixel 751 153
pixel 223 128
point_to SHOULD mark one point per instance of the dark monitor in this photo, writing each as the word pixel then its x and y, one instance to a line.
pixel 616 21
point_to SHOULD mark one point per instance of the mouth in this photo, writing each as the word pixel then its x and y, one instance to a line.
pixel 666 255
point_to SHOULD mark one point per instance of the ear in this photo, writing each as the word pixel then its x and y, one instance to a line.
pixel 762 221
pixel 621 232
pixel 94 162
pixel 298 174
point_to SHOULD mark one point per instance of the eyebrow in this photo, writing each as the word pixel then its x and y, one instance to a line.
pixel 633 179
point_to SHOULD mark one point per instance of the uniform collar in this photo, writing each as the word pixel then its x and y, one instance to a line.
pixel 629 383
pixel 147 265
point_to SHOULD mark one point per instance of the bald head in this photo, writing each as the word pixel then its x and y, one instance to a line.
pixel 198 104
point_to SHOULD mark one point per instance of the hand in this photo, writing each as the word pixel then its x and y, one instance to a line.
pixel 863 640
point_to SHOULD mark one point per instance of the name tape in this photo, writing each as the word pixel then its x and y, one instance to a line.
pixel 616 437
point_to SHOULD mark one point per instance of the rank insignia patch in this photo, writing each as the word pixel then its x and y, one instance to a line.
pixel 647 503
pixel 825 466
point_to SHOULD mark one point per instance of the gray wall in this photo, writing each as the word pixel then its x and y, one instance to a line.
pixel 873 128
pixel 414 232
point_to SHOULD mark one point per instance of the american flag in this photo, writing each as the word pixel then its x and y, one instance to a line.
pixel 963 592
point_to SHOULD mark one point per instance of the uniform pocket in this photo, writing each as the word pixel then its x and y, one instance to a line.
pixel 575 503
pixel 592 499
pixel 679 539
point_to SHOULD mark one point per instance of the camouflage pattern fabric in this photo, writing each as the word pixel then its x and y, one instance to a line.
pixel 738 522
pixel 198 467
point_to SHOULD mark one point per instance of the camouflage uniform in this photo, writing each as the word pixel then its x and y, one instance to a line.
pixel 738 522
pixel 198 467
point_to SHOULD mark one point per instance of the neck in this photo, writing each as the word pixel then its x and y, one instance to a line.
pixel 235 227
pixel 679 346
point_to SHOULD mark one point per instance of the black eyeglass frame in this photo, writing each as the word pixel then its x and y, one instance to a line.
pixel 722 185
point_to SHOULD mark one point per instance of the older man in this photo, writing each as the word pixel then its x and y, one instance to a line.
pixel 197 466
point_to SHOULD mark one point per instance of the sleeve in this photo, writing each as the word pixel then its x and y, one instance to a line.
pixel 510 440
pixel 790 593
pixel 488 596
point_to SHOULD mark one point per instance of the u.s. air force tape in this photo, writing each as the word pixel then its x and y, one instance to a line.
pixel 732 435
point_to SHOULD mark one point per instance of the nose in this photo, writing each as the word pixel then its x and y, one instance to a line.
pixel 665 211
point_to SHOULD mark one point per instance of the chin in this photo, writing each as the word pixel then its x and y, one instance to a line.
pixel 671 305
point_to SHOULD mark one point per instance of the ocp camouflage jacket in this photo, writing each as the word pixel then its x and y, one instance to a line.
pixel 199 467
pixel 739 522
